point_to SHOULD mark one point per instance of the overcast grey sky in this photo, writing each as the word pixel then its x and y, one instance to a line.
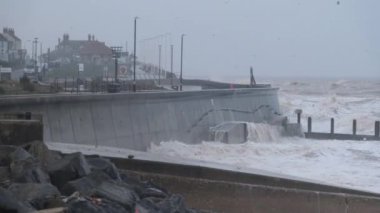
pixel 314 38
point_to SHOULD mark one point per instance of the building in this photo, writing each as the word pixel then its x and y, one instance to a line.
pixel 88 51
pixel 3 49
pixel 15 52
pixel 11 52
pixel 95 52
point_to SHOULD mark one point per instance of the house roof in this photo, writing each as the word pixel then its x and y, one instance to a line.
pixel 10 33
pixel 3 38
pixel 95 47
pixel 15 37
pixel 74 44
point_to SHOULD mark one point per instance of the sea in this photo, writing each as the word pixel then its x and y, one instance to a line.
pixel 354 164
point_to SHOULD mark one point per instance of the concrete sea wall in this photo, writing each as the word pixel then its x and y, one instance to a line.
pixel 134 120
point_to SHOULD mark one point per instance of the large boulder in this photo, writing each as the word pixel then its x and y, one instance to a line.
pixel 9 203
pixel 70 167
pixel 19 154
pixel 40 196
pixel 25 168
pixel 19 166
pixel 104 165
pixel 40 151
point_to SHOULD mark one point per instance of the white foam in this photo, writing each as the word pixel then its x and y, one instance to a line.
pixel 261 132
pixel 346 163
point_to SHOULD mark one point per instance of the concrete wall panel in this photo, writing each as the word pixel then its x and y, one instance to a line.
pixel 81 122
pixel 104 128
pixel 59 123
pixel 133 120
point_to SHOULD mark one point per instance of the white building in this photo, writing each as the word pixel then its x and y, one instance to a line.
pixel 3 48
pixel 14 44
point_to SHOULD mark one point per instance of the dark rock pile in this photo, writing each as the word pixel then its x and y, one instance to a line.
pixel 33 178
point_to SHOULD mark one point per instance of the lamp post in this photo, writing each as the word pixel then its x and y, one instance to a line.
pixel 134 58
pixel 171 65
pixel 159 64
pixel 180 75
pixel 35 42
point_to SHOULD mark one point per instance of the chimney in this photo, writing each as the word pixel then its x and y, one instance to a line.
pixel 59 40
pixel 93 37
pixel 65 37
pixel 89 37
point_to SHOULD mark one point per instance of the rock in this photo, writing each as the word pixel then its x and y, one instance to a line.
pixel 19 154
pixel 104 165
pixel 86 184
pixel 28 171
pixel 99 184
pixel 40 196
pixel 22 166
pixel 70 167
pixel 40 151
pixel 95 205
pixel 5 150
pixel 133 183
pixel 152 192
pixel 143 188
pixel 5 176
pixel 9 203
pixel 25 169
pixel 117 193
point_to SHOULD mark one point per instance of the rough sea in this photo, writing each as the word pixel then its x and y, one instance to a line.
pixel 354 164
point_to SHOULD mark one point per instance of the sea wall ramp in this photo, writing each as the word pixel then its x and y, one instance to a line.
pixel 134 120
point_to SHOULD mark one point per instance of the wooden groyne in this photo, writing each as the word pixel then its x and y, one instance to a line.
pixel 332 135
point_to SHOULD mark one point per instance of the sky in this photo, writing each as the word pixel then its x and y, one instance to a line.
pixel 223 38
